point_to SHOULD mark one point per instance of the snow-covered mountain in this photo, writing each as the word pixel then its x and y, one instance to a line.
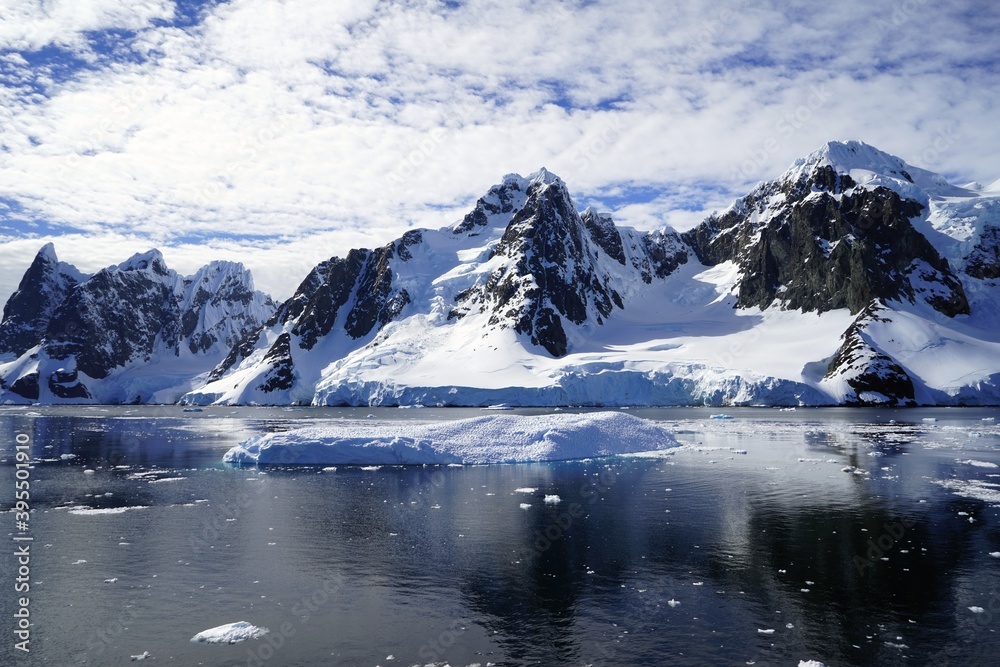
pixel 135 332
pixel 853 278
pixel 848 279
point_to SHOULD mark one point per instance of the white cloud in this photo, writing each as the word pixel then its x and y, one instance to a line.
pixel 31 25
pixel 308 124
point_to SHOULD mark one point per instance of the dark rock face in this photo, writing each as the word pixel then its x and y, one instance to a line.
pixel 604 233
pixel 380 301
pixel 26 315
pixel 819 244
pixel 550 273
pixel 26 386
pixel 316 303
pixel 280 375
pixel 665 252
pixel 874 377
pixel 112 319
pixel 984 260
pixel 66 384
pixel 365 278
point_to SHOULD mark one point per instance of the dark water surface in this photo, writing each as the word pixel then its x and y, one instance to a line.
pixel 752 545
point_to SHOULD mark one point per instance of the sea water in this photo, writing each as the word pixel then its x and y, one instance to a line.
pixel 848 537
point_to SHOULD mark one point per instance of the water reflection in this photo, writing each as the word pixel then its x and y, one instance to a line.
pixel 770 556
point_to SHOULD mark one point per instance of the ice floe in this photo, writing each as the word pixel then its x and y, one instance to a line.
pixel 104 510
pixel 976 489
pixel 479 440
pixel 979 464
pixel 230 633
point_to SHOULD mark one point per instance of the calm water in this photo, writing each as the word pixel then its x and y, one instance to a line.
pixel 750 546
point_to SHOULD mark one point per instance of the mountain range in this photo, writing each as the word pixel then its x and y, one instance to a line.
pixel 851 279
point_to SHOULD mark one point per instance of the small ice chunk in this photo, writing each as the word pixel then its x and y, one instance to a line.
pixel 524 506
pixel 995 554
pixel 672 602
pixel 977 610
pixel 769 631
pixel 141 656
pixel 552 499
pixel 930 419
pixel 67 457
pixel 979 464
pixel 230 633
pixel 88 471
pixel 111 580
pixel 79 562
pixel 87 511
pixel 525 489
pixel 811 663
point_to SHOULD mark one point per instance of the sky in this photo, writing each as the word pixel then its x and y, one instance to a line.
pixel 281 133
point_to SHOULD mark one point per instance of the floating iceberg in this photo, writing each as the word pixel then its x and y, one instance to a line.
pixel 230 633
pixel 479 440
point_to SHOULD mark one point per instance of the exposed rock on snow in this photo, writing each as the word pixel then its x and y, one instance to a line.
pixel 873 377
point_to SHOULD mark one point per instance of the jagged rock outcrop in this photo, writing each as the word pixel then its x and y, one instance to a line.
pixel 983 261
pixel 873 377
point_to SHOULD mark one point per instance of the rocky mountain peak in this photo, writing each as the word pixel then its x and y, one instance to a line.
pixel 846 156
pixel 151 260
pixel 27 313
pixel 834 231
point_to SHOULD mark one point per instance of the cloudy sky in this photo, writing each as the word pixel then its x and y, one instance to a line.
pixel 280 133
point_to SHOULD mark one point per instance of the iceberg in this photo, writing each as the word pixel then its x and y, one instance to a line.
pixel 478 440
pixel 230 633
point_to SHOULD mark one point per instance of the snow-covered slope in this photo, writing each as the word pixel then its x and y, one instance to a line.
pixel 132 332
pixel 835 283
